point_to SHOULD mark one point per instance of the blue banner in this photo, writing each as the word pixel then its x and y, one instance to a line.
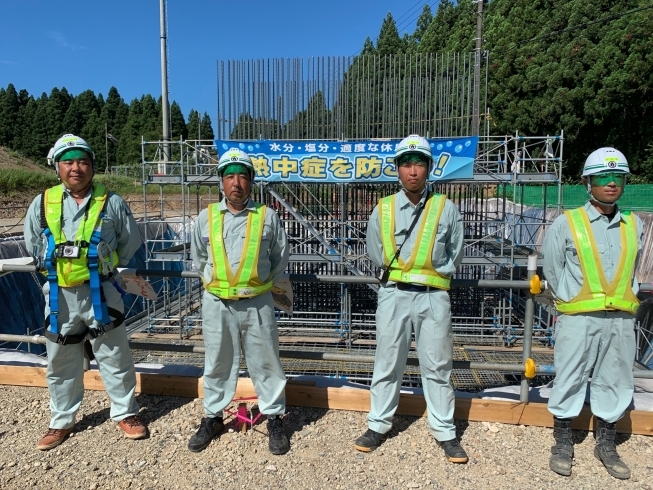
pixel 355 161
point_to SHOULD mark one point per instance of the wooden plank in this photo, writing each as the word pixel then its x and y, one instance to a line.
pixel 22 376
pixel 306 394
pixel 163 384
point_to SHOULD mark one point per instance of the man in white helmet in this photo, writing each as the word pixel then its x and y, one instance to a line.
pixel 240 248
pixel 79 232
pixel 590 258
pixel 416 238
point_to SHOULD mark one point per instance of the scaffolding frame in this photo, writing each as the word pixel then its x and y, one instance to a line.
pixel 350 99
pixel 327 236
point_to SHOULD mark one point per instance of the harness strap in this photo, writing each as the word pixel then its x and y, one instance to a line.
pixel 100 310
pixel 99 304
pixel 92 333
pixel 51 266
pixel 44 221
pixel 64 339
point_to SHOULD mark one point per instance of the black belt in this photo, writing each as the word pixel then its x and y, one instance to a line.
pixel 93 333
pixel 413 288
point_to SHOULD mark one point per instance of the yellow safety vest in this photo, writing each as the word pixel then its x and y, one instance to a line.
pixel 72 272
pixel 245 283
pixel 419 268
pixel 596 294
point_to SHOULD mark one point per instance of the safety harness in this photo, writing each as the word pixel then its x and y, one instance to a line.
pixel 71 263
pixel 245 283
pixel 596 293
pixel 419 268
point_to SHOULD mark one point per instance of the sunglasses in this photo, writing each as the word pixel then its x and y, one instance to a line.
pixel 408 160
pixel 600 180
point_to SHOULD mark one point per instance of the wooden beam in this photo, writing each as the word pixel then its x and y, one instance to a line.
pixel 306 394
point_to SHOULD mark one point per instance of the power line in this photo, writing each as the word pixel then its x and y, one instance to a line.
pixel 408 12
pixel 408 22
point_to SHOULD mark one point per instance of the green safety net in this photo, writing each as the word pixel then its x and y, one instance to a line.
pixel 637 197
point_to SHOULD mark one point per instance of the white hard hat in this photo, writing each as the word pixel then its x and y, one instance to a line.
pixel 414 144
pixel 605 160
pixel 65 143
pixel 235 156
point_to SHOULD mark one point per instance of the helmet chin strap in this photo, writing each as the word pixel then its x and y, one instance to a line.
pixel 589 191
pixel 417 193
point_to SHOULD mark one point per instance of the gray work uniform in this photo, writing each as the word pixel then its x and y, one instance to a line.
pixel 603 340
pixel 250 322
pixel 427 313
pixel 65 372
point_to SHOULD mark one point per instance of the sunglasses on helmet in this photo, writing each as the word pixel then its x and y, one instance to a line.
pixel 411 159
pixel 607 178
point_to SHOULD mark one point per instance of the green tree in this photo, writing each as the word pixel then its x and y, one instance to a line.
pixel 178 127
pixel 193 127
pixel 114 115
pixel 56 108
pixel 9 107
pixel 433 38
pixel 313 122
pixel 206 129
pixel 389 41
pixel 368 47
pixel 413 41
pixel 22 140
pixel 114 111
pixel 41 141
pixel 129 145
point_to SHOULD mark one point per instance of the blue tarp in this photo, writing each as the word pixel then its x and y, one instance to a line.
pixel 22 301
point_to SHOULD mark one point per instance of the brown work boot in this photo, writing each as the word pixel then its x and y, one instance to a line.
pixel 52 438
pixel 133 427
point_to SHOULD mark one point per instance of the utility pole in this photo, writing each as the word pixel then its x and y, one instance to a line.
pixel 164 83
pixel 477 68
pixel 106 148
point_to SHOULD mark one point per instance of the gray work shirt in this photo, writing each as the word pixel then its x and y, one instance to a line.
pixel 562 268
pixel 119 229
pixel 448 248
pixel 273 253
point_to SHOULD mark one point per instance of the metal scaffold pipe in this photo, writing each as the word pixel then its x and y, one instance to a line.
pixel 543 369
pixel 528 331
pixel 458 283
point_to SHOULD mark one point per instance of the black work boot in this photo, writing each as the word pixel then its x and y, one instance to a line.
pixel 562 453
pixel 369 441
pixel 278 443
pixel 209 428
pixel 606 450
pixel 454 451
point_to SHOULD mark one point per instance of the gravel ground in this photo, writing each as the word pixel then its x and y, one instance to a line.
pixel 321 456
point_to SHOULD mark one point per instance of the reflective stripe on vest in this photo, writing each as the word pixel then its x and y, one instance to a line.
pixel 245 283
pixel 72 272
pixel 597 294
pixel 419 268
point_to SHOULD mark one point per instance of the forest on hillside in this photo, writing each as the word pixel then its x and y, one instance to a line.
pixel 581 66
pixel 30 125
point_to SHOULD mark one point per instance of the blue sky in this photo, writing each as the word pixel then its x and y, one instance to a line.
pixel 92 44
